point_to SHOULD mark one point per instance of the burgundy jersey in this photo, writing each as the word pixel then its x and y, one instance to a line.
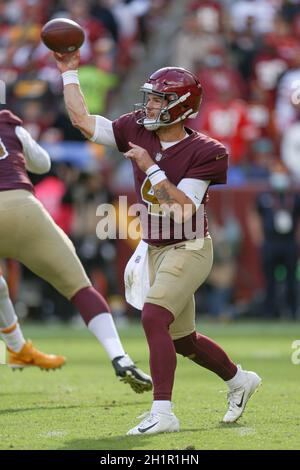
pixel 197 156
pixel 13 174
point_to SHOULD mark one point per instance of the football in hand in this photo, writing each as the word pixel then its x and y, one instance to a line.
pixel 62 35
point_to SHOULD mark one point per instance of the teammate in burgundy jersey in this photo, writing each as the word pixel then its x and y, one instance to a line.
pixel 173 168
pixel 13 176
pixel 13 169
pixel 29 235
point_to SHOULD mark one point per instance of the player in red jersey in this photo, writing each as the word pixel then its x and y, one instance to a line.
pixel 173 168
pixel 29 235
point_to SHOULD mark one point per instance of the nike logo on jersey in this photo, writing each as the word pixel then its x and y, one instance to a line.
pixel 142 430
pixel 239 405
pixel 220 156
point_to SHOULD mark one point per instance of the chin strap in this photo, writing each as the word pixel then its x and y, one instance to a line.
pixel 154 125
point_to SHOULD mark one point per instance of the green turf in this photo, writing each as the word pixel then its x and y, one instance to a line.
pixel 83 406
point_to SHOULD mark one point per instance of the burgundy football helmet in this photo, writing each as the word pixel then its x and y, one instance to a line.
pixel 182 91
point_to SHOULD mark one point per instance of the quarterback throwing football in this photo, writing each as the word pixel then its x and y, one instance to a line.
pixel 173 168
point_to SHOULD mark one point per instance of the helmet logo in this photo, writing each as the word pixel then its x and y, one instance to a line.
pixel 148 86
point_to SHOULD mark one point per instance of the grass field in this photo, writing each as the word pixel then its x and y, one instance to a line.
pixel 83 406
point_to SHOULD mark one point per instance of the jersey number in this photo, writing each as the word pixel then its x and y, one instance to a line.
pixel 150 199
pixel 3 151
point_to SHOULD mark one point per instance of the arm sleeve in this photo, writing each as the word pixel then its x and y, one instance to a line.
pixel 104 133
pixel 194 189
pixel 37 159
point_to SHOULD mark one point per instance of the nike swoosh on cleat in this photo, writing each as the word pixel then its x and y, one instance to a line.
pixel 241 402
pixel 146 429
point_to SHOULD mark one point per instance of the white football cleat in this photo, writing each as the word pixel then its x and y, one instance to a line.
pixel 238 398
pixel 154 423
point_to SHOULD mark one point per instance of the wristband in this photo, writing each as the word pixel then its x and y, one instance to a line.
pixel 155 175
pixel 70 77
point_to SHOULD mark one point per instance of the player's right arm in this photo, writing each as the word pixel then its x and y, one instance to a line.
pixel 97 128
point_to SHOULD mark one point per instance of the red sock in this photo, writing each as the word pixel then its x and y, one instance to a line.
pixel 89 303
pixel 205 352
pixel 156 321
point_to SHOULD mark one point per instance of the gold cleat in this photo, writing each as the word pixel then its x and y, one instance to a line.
pixel 30 356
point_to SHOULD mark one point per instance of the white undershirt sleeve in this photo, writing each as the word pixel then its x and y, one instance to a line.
pixel 194 189
pixel 104 133
pixel 37 159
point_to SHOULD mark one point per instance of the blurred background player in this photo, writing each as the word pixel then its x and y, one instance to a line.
pixel 274 224
pixel 29 235
pixel 189 162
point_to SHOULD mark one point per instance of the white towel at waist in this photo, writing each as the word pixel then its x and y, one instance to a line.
pixel 136 276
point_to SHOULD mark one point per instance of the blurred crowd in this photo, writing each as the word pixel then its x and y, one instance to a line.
pixel 116 35
pixel 247 56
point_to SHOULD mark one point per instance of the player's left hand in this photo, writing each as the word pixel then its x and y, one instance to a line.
pixel 140 155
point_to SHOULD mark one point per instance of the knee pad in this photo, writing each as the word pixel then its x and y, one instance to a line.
pixel 3 288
